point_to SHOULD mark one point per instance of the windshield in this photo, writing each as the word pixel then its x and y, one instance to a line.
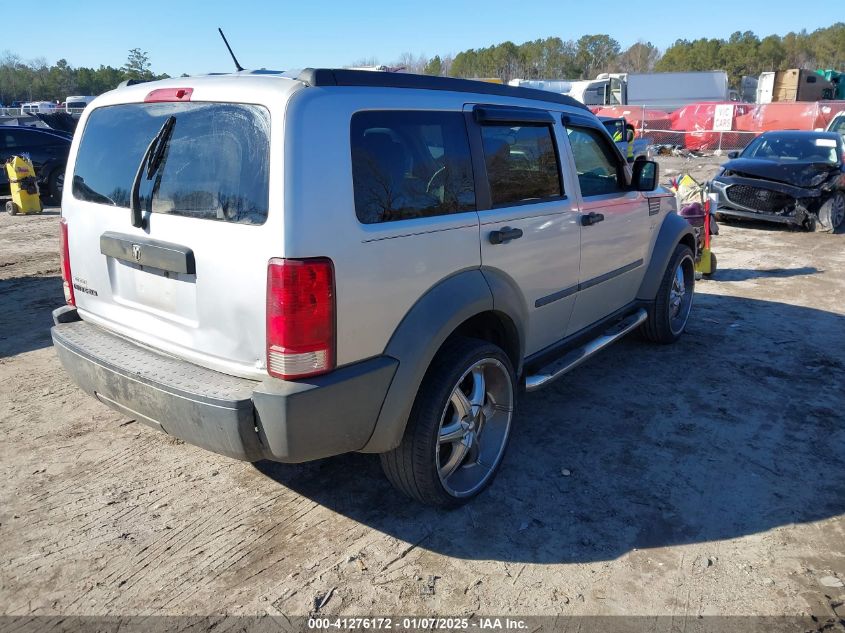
pixel 215 165
pixel 793 147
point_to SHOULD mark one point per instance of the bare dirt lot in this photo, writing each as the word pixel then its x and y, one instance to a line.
pixel 702 478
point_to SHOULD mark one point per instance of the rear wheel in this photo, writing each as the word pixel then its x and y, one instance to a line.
pixel 459 426
pixel 669 312
pixel 831 213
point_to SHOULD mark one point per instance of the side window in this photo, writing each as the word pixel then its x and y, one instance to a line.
pixel 522 163
pixel 410 165
pixel 597 167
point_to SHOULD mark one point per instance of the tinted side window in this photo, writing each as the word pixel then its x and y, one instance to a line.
pixel 597 167
pixel 522 163
pixel 215 166
pixel 410 165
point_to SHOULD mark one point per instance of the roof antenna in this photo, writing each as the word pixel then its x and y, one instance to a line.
pixel 226 42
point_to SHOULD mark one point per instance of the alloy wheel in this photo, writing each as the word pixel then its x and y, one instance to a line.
pixel 474 427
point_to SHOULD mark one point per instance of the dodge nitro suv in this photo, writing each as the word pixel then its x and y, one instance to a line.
pixel 292 266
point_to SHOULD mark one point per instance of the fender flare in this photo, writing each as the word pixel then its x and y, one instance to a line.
pixel 672 231
pixel 414 343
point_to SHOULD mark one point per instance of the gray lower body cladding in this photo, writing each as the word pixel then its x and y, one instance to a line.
pixel 283 421
pixel 765 199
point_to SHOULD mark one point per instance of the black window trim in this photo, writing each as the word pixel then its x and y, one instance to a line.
pixel 501 115
pixel 569 121
pixel 483 195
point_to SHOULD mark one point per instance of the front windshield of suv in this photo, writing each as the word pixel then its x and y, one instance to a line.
pixel 793 148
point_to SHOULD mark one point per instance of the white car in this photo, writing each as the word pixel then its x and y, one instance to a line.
pixel 76 104
pixel 40 107
pixel 293 267
pixel 837 124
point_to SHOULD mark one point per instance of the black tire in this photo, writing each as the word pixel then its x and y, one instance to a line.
pixel 55 184
pixel 11 208
pixel 831 213
pixel 415 467
pixel 663 325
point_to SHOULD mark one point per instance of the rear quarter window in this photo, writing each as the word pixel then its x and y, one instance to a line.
pixel 408 164
pixel 215 167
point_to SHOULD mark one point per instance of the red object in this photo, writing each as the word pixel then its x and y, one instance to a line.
pixel 169 94
pixel 64 261
pixel 300 317
pixel 643 119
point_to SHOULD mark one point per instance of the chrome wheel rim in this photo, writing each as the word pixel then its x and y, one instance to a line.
pixel 680 294
pixel 474 427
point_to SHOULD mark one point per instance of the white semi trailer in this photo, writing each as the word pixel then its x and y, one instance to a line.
pixel 657 90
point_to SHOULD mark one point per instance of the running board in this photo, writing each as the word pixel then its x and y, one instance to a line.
pixel 572 359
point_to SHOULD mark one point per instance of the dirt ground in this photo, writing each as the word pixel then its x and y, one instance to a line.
pixel 701 478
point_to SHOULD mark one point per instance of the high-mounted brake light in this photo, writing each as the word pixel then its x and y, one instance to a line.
pixel 300 317
pixel 169 94
pixel 64 259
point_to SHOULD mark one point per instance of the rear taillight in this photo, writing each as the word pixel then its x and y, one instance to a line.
pixel 300 317
pixel 64 259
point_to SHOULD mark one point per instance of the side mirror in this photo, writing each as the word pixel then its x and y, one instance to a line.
pixel 733 154
pixel 645 175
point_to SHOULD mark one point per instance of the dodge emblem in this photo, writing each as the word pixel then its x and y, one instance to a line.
pixel 136 252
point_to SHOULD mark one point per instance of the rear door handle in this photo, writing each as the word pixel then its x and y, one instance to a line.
pixel 505 234
pixel 591 218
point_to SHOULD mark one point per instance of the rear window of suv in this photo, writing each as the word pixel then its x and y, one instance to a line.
pixel 410 165
pixel 215 166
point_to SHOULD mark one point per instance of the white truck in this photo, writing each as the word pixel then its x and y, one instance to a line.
pixel 657 90
pixel 77 103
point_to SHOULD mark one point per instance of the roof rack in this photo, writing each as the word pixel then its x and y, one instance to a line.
pixel 346 77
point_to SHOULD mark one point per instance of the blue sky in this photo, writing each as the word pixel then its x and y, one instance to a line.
pixel 180 36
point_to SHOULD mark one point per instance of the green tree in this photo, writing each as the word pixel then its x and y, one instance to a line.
pixel 137 65
pixel 596 54
pixel 434 66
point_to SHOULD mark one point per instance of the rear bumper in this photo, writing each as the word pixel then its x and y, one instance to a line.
pixel 249 420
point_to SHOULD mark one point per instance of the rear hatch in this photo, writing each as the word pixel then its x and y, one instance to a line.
pixel 191 281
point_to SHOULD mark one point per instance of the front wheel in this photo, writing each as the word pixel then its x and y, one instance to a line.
pixel 831 213
pixel 459 426
pixel 669 312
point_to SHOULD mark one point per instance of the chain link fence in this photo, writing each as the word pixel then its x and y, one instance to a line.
pixel 720 127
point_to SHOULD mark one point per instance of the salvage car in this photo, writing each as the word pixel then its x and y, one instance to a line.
pixel 48 150
pixel 791 177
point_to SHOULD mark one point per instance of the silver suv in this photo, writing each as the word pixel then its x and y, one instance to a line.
pixel 289 267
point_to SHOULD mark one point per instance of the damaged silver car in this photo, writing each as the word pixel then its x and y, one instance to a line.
pixel 791 177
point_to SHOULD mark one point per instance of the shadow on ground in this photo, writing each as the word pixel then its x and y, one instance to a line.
pixel 744 274
pixel 26 305
pixel 733 431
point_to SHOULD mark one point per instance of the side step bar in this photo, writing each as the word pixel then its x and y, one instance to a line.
pixel 572 359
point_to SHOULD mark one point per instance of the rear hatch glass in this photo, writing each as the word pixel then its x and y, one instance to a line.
pixel 215 165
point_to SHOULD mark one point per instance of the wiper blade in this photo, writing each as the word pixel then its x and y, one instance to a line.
pixel 151 160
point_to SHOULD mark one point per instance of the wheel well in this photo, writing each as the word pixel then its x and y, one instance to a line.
pixel 494 327
pixel 689 240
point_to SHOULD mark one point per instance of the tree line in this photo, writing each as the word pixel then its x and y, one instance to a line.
pixel 743 53
pixel 37 81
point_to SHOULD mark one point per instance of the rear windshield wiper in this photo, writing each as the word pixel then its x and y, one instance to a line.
pixel 151 161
